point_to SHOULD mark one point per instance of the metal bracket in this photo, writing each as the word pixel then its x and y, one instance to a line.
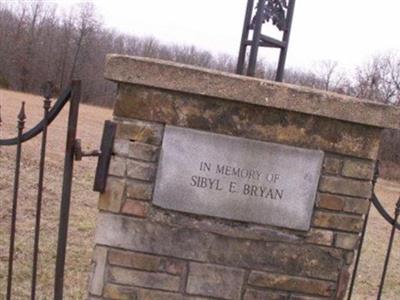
pixel 104 155
pixel 79 153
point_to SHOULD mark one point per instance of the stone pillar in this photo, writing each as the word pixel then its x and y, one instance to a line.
pixel 147 251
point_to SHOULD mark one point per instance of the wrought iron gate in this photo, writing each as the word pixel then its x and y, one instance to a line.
pixel 73 152
pixel 393 221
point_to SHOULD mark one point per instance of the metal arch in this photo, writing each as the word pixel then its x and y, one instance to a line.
pixel 375 201
pixel 394 224
pixel 58 106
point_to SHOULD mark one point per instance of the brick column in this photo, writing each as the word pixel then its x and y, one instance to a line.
pixel 146 252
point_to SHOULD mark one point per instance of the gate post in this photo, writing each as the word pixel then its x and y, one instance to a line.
pixel 66 190
pixel 204 199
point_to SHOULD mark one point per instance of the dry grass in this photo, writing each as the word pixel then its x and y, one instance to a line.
pixel 374 250
pixel 83 210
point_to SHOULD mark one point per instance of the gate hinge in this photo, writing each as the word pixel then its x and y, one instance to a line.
pixel 79 153
pixel 104 155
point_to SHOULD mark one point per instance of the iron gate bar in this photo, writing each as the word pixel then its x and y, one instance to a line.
pixel 20 126
pixel 357 262
pixel 389 250
pixel 58 106
pixel 46 108
pixel 66 190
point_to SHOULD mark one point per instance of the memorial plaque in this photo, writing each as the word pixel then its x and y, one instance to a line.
pixel 236 178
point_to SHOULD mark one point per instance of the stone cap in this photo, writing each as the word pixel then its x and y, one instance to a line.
pixel 194 80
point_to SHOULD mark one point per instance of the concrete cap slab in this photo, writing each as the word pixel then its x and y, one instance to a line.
pixel 194 80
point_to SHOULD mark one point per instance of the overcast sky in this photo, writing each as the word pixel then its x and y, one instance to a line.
pixel 347 31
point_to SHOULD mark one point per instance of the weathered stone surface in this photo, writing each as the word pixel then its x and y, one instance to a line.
pixel 349 257
pixel 338 221
pixel 344 279
pixel 240 180
pixel 143 151
pixel 293 259
pixel 195 80
pixel 346 240
pixel 135 260
pixel 320 237
pixel 135 208
pixel 302 297
pixel 252 294
pixel 141 170
pixel 174 266
pixel 225 227
pixel 121 147
pixel 111 199
pixel 118 292
pixel 360 169
pixel 139 131
pixel 342 203
pixel 146 262
pixel 271 125
pixel 292 284
pixel 143 279
pixel 332 202
pixel 215 281
pixel 144 236
pixel 153 252
pixel 345 186
pixel 117 166
pixel 139 190
pixel 99 265
pixel 356 205
pixel 332 165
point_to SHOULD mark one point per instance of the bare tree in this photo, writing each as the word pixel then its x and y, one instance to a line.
pixel 327 72
pixel 40 43
pixel 86 25
pixel 379 80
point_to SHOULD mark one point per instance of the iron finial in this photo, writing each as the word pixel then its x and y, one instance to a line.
pixel 22 116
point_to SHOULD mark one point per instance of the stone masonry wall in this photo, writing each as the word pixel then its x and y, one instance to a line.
pixel 143 252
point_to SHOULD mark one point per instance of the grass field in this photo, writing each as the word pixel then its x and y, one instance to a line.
pixel 83 209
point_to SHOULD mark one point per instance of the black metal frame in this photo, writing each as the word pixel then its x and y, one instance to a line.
pixel 395 225
pixel 72 95
pixel 73 152
pixel 281 15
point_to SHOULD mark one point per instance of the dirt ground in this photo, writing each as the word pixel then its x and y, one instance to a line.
pixel 83 209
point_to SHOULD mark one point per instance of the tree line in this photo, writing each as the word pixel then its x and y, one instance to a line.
pixel 38 42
